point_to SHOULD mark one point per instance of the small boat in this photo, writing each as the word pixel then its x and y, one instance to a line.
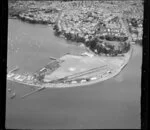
pixel 21 78
pixel 87 54
pixel 13 95
pixel 42 69
pixel 10 75
pixel 83 81
pixel 53 58
pixel 9 90
pixel 17 76
pixel 29 77
pixel 74 82
pixel 109 71
pixel 93 78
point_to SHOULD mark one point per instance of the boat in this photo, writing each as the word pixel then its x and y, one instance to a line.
pixel 21 78
pixel 87 54
pixel 93 78
pixel 13 95
pixel 74 82
pixel 83 81
pixel 16 76
pixel 9 90
pixel 10 75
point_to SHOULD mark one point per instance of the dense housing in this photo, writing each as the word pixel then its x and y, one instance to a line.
pixel 106 27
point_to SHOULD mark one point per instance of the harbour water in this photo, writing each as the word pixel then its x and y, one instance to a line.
pixel 114 103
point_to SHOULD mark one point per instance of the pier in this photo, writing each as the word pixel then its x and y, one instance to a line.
pixel 15 69
pixel 28 94
pixel 52 58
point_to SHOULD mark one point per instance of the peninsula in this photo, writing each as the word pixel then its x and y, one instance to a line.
pixel 107 29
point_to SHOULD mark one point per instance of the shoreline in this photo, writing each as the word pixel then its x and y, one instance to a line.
pixel 64 85
pixel 117 72
pixel 103 34
pixel 52 13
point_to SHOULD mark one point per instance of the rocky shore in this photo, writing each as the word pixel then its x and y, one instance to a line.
pixel 104 27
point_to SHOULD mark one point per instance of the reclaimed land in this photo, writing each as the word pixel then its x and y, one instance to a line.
pixel 87 70
pixel 108 69
pixel 108 29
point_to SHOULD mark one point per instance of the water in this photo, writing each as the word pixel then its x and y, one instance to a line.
pixel 114 103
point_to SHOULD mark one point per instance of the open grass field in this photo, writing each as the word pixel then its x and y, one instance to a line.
pixel 81 70
pixel 76 67
pixel 75 64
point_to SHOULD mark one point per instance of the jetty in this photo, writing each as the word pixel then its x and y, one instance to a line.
pixel 37 90
pixel 52 58
pixel 14 69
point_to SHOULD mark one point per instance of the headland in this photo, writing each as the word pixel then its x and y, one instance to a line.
pixel 106 29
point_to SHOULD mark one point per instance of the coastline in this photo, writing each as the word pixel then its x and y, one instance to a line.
pixel 117 72
pixel 107 36
pixel 64 85
pixel 53 13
